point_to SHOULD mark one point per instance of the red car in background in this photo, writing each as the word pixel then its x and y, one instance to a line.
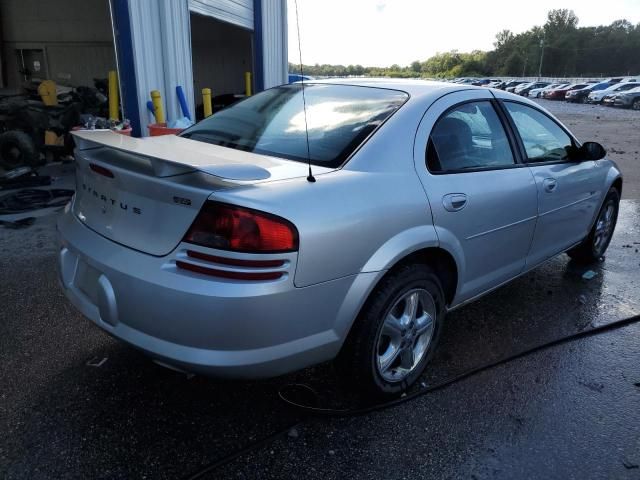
pixel 559 93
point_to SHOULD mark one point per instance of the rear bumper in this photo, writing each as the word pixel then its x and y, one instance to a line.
pixel 201 324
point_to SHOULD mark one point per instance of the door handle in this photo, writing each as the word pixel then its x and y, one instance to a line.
pixel 550 184
pixel 454 202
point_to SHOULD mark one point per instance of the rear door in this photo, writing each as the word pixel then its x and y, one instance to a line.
pixel 568 190
pixel 483 200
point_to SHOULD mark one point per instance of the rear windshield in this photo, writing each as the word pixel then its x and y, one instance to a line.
pixel 339 119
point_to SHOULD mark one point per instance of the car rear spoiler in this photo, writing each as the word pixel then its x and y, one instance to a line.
pixel 174 155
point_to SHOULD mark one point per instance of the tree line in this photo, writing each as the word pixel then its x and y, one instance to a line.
pixel 566 49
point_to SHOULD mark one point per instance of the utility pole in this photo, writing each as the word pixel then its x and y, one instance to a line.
pixel 524 68
pixel 541 57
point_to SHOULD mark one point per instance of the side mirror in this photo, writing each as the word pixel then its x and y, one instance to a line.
pixel 591 151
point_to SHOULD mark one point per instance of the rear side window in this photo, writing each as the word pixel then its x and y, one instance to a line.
pixel 339 119
pixel 468 136
pixel 544 140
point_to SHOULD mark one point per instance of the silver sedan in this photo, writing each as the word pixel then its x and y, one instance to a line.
pixel 331 219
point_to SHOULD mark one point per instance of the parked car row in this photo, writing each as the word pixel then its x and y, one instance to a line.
pixel 608 95
pixel 611 92
pixel 560 93
pixel 620 91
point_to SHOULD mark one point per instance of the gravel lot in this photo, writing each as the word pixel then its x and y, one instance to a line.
pixel 618 130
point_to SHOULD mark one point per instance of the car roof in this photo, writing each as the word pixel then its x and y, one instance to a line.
pixel 414 87
pixel 421 91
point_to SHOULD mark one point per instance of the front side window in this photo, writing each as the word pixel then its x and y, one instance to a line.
pixel 544 140
pixel 625 86
pixel 469 136
pixel 338 117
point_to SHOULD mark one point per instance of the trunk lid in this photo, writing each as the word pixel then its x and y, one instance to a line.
pixel 145 193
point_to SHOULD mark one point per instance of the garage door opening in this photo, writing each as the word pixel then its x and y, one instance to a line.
pixel 69 42
pixel 221 54
pixel 56 60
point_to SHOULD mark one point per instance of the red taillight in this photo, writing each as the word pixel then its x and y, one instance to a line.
pixel 101 170
pixel 240 229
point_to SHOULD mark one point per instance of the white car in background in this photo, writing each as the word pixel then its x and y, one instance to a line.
pixel 537 92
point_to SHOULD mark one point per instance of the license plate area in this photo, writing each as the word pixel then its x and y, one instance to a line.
pixel 87 280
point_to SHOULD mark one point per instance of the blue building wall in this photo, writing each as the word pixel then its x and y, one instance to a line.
pixel 153 44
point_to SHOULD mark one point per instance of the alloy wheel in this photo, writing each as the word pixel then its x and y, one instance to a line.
pixel 604 228
pixel 406 334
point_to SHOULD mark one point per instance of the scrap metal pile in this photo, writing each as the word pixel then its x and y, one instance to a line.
pixel 36 120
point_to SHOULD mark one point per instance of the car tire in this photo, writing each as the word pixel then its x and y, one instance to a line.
pixel 17 149
pixel 379 358
pixel 595 244
pixel 584 100
pixel 636 104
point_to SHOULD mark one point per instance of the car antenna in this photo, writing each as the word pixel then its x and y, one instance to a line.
pixel 310 177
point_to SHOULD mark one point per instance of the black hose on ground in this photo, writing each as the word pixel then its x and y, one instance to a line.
pixel 315 410
pixel 331 412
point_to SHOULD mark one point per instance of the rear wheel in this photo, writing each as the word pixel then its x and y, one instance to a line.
pixel 396 333
pixel 596 243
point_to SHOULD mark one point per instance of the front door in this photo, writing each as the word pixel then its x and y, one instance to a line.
pixel 483 201
pixel 568 190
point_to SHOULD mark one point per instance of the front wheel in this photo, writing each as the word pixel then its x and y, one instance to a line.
pixel 596 243
pixel 636 104
pixel 395 335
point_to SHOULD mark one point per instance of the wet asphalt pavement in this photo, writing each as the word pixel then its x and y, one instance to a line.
pixel 571 411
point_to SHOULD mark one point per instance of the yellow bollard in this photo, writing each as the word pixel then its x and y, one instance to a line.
pixel 206 102
pixel 156 98
pixel 247 82
pixel 48 92
pixel 113 95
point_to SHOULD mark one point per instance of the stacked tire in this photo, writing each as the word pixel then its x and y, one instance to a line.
pixel 17 149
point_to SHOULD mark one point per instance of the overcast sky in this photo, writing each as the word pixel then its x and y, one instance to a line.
pixel 384 32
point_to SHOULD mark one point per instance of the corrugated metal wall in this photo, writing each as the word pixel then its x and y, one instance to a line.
pixel 236 12
pixel 162 50
pixel 162 54
pixel 274 42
